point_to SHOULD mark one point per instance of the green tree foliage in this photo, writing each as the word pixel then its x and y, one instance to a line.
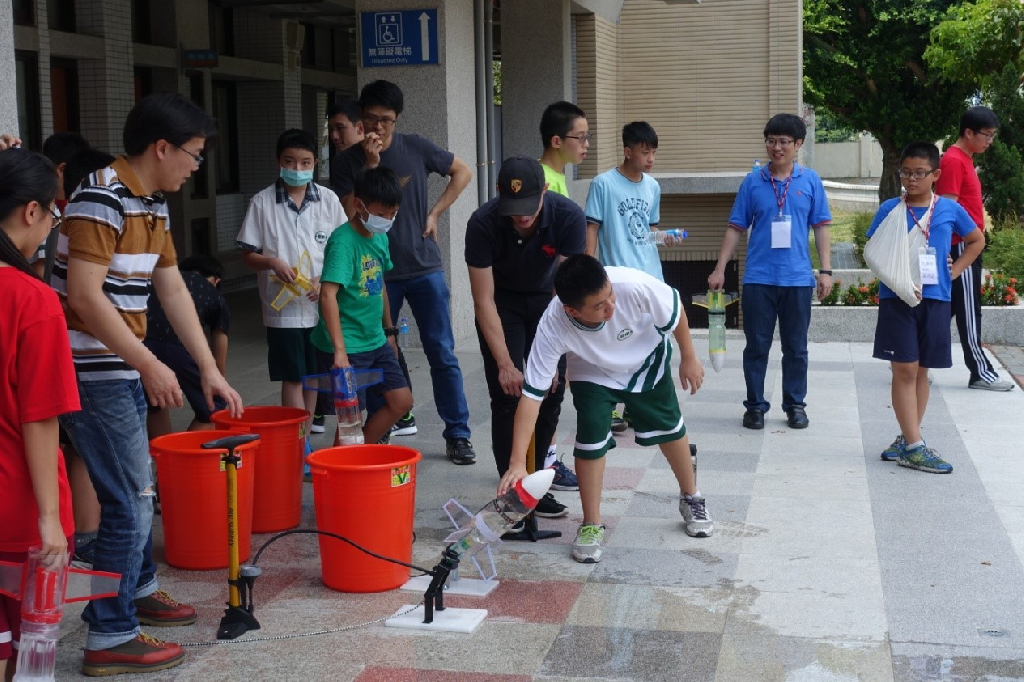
pixel 981 44
pixel 863 62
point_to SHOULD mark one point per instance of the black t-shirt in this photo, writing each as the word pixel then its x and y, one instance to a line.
pixel 525 265
pixel 212 308
pixel 412 158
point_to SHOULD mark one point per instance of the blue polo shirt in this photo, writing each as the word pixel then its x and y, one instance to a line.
pixel 755 206
pixel 948 218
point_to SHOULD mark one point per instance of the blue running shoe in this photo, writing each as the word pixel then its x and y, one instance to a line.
pixel 565 479
pixel 893 452
pixel 923 458
pixel 307 473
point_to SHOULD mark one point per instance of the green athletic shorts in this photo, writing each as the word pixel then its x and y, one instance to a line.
pixel 290 353
pixel 655 415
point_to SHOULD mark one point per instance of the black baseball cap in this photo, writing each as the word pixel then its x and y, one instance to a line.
pixel 520 183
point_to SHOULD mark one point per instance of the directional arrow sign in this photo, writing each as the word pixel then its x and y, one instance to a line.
pixel 425 36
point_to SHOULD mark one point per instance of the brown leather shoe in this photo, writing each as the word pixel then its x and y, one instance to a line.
pixel 161 610
pixel 144 654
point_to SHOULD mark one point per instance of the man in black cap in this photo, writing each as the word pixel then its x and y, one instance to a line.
pixel 514 242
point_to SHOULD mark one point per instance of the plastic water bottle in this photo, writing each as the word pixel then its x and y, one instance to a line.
pixel 716 329
pixel 346 406
pixel 660 236
pixel 42 605
pixel 757 166
pixel 501 513
pixel 403 326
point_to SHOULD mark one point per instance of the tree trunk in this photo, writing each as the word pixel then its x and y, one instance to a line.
pixel 889 184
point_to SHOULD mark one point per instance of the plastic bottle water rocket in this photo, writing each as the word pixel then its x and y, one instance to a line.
pixel 344 387
pixel 715 302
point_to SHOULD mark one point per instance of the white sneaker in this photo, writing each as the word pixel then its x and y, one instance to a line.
pixel 996 385
pixel 696 521
pixel 586 549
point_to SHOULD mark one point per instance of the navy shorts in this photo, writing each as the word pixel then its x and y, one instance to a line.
pixel 291 354
pixel 185 368
pixel 919 334
pixel 371 398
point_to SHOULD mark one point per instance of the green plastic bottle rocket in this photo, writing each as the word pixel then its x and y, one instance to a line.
pixel 715 302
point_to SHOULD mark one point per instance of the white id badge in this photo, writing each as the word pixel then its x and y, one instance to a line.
pixel 782 226
pixel 929 266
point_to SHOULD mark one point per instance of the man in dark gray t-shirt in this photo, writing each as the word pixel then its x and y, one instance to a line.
pixel 418 275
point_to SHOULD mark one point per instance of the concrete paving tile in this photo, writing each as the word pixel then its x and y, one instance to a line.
pixel 619 653
pixel 644 607
pixel 821 573
pixel 855 617
pixel 944 663
pixel 799 463
pixel 381 674
pixel 811 485
pixel 694 566
pixel 531 601
pixel 769 658
pixel 722 508
pixel 711 482
pixel 806 443
pixel 621 478
pixel 668 534
pixel 735 440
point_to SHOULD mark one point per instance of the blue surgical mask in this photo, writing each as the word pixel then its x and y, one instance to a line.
pixel 296 178
pixel 377 224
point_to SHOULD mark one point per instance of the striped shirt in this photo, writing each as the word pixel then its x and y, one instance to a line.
pixel 630 352
pixel 111 221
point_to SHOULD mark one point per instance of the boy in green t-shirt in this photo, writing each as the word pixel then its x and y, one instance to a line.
pixel 355 328
pixel 566 136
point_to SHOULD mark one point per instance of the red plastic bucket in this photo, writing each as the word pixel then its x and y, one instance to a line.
pixel 278 487
pixel 194 499
pixel 366 493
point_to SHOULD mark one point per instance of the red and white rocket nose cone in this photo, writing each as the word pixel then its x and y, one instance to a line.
pixel 538 483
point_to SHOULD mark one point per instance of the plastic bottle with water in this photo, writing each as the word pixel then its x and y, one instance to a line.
pixel 346 406
pixel 659 237
pixel 757 166
pixel 403 326
pixel 500 514
pixel 41 608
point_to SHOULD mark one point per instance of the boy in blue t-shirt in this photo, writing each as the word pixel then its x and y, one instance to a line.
pixel 916 338
pixel 355 328
pixel 624 204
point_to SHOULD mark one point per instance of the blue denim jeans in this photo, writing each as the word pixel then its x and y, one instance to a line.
pixel 430 302
pixel 763 304
pixel 110 435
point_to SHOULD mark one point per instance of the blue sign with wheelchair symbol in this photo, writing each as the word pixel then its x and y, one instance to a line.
pixel 400 38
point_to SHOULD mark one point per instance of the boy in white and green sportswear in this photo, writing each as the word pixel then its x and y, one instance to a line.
pixel 616 354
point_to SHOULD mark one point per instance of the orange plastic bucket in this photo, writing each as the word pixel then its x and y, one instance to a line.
pixel 278 488
pixel 194 499
pixel 366 493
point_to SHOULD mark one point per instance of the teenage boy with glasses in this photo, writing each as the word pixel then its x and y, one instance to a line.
pixel 779 205
pixel 566 137
pixel 959 182
pixel 418 272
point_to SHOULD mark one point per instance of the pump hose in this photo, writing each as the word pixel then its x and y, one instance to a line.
pixel 304 531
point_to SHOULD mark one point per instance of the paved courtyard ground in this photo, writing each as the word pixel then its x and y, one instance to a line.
pixel 826 563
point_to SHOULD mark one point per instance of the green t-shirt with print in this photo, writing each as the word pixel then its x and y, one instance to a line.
pixel 556 181
pixel 357 264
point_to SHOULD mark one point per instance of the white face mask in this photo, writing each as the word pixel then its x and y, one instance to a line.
pixel 377 224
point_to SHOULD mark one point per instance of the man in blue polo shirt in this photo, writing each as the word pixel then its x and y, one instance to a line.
pixel 514 243
pixel 779 205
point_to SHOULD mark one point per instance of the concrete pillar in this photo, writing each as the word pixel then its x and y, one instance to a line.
pixel 107 85
pixel 439 105
pixel 8 72
pixel 536 58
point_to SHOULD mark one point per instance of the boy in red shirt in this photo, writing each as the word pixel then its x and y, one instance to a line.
pixel 959 181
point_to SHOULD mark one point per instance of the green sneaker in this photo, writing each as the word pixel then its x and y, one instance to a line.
pixel 893 452
pixel 923 458
pixel 587 547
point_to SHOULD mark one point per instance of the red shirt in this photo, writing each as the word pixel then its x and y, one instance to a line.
pixel 959 177
pixel 38 383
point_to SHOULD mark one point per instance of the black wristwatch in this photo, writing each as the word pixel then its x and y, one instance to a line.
pixel 825 272
pixel 390 331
